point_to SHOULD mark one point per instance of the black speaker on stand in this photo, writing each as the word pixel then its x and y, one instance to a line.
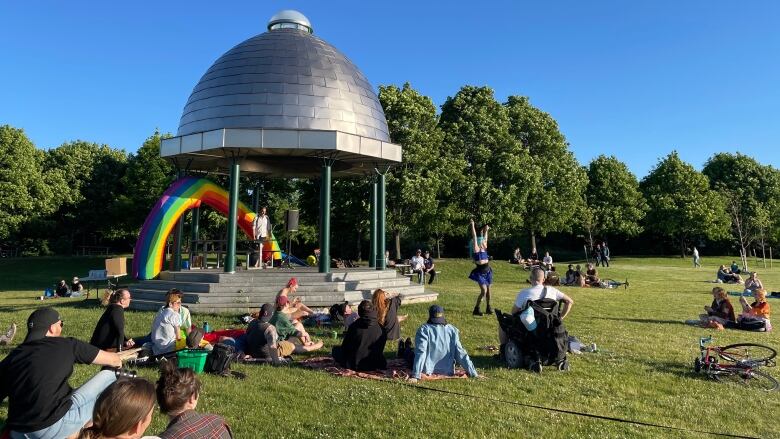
pixel 290 225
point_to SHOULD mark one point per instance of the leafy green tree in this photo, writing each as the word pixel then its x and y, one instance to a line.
pixel 681 204
pixel 26 191
pixel 615 204
pixel 492 172
pixel 559 195
pixel 145 179
pixel 752 191
pixel 413 186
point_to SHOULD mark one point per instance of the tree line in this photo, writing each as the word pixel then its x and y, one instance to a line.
pixel 506 164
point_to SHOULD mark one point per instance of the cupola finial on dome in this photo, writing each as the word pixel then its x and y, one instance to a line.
pixel 290 19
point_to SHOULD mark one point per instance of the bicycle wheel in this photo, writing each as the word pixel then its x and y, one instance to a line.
pixel 747 352
pixel 754 379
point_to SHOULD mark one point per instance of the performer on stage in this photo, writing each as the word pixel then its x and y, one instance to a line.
pixel 262 226
pixel 482 274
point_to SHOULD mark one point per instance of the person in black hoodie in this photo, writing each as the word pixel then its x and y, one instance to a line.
pixel 109 333
pixel 364 344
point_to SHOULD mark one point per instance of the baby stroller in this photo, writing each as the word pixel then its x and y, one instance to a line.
pixel 546 345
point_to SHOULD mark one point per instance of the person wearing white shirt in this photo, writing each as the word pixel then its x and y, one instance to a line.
pixel 547 261
pixel 261 226
pixel 418 265
pixel 537 291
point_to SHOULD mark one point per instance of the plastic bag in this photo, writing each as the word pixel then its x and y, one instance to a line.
pixel 528 318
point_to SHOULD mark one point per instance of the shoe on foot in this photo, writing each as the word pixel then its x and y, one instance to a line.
pixel 488 310
pixel 477 312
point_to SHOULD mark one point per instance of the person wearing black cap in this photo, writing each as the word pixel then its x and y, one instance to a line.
pixel 364 343
pixel 437 347
pixel 262 340
pixel 34 377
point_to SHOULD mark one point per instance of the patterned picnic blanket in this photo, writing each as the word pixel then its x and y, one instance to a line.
pixel 396 369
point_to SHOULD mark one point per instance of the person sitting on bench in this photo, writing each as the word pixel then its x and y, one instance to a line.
pixel 418 265
pixel 364 343
pixel 437 347
pixel 262 339
pixel 34 377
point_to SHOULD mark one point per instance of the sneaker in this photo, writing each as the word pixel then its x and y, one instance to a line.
pixel 477 312
pixel 536 367
pixel 8 337
pixel 488 310
pixel 563 365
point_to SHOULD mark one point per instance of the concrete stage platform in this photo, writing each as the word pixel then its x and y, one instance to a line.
pixel 214 291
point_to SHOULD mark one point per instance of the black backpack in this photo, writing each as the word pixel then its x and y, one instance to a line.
pixel 550 340
pixel 219 360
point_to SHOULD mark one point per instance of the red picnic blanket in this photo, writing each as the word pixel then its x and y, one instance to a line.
pixel 396 369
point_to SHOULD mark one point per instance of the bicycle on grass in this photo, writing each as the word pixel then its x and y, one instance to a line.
pixel 739 363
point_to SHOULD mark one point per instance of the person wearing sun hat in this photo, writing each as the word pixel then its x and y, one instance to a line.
pixel 437 347
pixel 34 378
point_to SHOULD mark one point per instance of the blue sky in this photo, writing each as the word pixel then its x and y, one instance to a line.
pixel 631 79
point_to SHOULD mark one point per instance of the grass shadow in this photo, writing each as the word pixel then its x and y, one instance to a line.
pixel 635 320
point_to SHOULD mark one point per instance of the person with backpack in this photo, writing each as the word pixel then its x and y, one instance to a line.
pixel 535 292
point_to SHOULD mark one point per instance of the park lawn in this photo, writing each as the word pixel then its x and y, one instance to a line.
pixel 642 372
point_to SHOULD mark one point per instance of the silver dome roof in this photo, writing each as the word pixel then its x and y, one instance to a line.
pixel 285 79
pixel 290 16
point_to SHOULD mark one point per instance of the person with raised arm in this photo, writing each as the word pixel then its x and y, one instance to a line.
pixel 482 274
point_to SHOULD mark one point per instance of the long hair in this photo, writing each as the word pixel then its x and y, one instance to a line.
pixel 120 408
pixel 379 300
pixel 720 293
pixel 175 387
pixel 112 297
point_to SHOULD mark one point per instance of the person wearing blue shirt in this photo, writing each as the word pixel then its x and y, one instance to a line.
pixel 437 348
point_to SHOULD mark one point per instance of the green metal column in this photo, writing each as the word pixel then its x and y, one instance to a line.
pixel 194 232
pixel 230 258
pixel 325 219
pixel 372 226
pixel 380 223
pixel 177 239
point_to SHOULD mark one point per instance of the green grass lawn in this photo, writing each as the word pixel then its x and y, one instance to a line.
pixel 642 372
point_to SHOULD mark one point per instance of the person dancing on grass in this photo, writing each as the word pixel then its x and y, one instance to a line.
pixel 482 274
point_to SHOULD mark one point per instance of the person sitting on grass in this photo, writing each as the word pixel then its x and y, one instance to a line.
pixel 166 327
pixel 76 287
pixel 364 343
pixel 759 310
pixel 570 276
pixel 753 283
pixel 34 377
pixel 297 310
pixel 735 268
pixel 592 276
pixel 178 391
pixel 437 347
pixel 288 330
pixel 62 289
pixel 386 306
pixel 552 278
pixel 720 311
pixel 123 410
pixel 727 277
pixel 109 333
pixel 547 261
pixel 517 257
pixel 262 340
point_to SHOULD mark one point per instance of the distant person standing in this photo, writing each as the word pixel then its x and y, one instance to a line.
pixel 597 254
pixel 696 259
pixel 605 255
pixel 261 225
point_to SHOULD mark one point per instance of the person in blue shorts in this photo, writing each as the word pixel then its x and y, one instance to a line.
pixel 482 274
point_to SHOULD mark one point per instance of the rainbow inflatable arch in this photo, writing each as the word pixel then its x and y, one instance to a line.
pixel 184 194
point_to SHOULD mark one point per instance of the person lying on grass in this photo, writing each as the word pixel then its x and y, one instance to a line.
pixel 758 310
pixel 720 311
pixel 297 310
pixel 262 339
pixel 288 330
pixel 178 391
pixel 364 343
pixel 437 347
